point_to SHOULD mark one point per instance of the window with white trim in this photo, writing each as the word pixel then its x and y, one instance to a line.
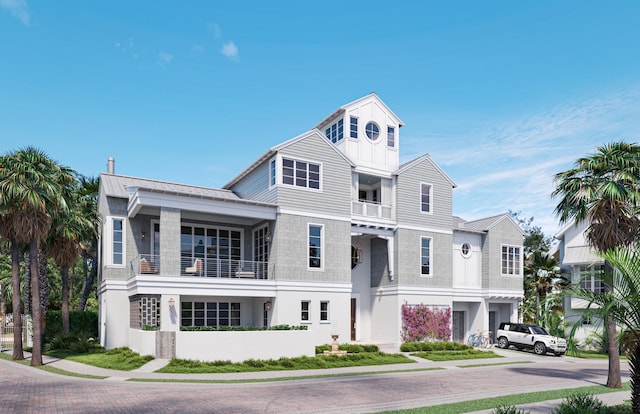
pixel 213 314
pixel 115 241
pixel 335 132
pixel 300 173
pixel 353 127
pixel 305 306
pixel 426 193
pixel 315 246
pixel 272 173
pixel 391 137
pixel 590 277
pixel 511 260
pixel 425 256
pixel 324 310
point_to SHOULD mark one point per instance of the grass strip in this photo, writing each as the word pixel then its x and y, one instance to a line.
pixel 121 359
pixel 495 363
pixel 305 377
pixel 59 371
pixel 514 399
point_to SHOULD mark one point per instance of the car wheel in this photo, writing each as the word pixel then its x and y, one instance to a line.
pixel 539 348
pixel 503 342
pixel 559 353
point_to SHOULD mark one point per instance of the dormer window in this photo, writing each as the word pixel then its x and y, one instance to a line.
pixel 391 137
pixel 372 130
pixel 353 127
pixel 335 132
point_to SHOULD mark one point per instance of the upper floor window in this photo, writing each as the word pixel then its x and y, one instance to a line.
pixel 391 137
pixel 353 127
pixel 511 260
pixel 372 130
pixel 425 256
pixel 272 173
pixel 425 197
pixel 335 132
pixel 591 277
pixel 300 173
pixel 315 246
pixel 114 232
pixel 118 241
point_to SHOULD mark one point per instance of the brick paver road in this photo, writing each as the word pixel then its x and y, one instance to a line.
pixel 27 390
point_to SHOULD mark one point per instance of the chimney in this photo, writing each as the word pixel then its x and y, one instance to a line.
pixel 111 163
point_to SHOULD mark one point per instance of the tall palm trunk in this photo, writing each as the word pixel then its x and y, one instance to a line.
pixel 614 379
pixel 36 354
pixel 18 352
pixel 88 282
pixel 27 285
pixel 65 299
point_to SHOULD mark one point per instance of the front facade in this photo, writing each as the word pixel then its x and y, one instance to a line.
pixel 326 230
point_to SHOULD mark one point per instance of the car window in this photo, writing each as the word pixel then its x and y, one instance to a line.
pixel 538 330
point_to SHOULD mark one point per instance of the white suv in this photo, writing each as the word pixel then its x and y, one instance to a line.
pixel 523 335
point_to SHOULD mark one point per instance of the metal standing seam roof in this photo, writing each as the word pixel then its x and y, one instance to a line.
pixel 481 225
pixel 116 186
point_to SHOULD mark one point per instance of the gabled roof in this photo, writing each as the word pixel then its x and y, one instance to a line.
pixel 487 223
pixel 340 111
pixel 459 224
pixel 426 157
pixel 273 150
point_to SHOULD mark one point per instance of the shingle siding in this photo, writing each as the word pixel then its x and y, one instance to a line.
pixel 408 263
pixel 505 232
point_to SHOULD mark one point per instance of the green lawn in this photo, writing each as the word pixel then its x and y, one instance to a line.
pixel 122 359
pixel 456 355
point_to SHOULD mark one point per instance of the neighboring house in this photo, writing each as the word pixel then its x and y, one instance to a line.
pixel 326 230
pixel 580 260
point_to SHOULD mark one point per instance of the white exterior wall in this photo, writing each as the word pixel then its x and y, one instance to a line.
pixel 467 270
pixel 142 342
pixel 361 291
pixel 114 314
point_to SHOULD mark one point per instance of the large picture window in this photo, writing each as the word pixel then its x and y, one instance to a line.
pixel 213 314
pixel 511 260
pixel 218 250
pixel 425 256
pixel 315 246
pixel 590 277
pixel 300 173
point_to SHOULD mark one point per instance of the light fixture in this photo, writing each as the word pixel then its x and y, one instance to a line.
pixel 172 303
pixel 143 234
pixel 267 236
pixel 267 305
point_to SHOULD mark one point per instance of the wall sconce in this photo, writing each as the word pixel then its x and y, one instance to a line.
pixel 357 255
pixel 267 236
pixel 143 234
pixel 267 305
pixel 172 303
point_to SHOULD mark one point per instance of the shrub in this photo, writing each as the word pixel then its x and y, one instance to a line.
pixel 350 348
pixel 508 409
pixel 581 403
pixel 433 346
pixel 80 323
pixel 421 322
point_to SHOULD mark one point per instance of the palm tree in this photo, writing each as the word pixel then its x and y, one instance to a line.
pixel 542 277
pixel 89 187
pixel 604 189
pixel 621 304
pixel 31 187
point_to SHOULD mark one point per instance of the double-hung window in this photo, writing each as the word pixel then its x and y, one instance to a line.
pixel 324 310
pixel 425 256
pixel 115 241
pixel 511 260
pixel 426 195
pixel 315 246
pixel 305 306
pixel 300 173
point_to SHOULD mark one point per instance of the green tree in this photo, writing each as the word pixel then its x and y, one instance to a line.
pixel 542 277
pixel 89 205
pixel 31 187
pixel 603 190
pixel 621 305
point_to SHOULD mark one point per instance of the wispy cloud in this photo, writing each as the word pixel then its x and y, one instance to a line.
pixel 165 58
pixel 230 50
pixel 18 9
pixel 214 29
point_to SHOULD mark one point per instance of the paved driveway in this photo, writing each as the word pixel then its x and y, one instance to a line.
pixel 25 390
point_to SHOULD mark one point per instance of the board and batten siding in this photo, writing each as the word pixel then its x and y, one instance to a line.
pixel 408 197
pixel 408 259
pixel 255 186
pixel 334 198
pixel 505 232
pixel 290 249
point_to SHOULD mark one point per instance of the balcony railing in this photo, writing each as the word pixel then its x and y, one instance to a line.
pixel 243 269
pixel 146 264
pixel 369 209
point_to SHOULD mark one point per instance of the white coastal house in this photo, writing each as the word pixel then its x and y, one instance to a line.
pixel 326 230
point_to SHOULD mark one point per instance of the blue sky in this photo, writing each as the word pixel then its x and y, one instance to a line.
pixel 501 94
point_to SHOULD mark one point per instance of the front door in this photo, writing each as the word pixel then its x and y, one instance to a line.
pixel 458 326
pixel 353 319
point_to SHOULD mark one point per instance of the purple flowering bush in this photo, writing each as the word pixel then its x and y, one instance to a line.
pixel 422 323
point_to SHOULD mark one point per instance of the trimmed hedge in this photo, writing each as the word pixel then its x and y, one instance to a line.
pixel 80 322
pixel 433 346
pixel 350 348
pixel 244 328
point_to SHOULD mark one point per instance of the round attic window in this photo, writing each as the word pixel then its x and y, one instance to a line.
pixel 465 249
pixel 372 130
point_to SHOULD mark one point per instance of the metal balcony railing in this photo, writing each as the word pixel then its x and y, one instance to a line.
pixel 230 268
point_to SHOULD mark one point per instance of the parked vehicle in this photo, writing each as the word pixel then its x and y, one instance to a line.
pixel 535 337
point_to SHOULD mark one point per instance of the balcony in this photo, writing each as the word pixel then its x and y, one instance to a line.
pixel 371 209
pixel 146 264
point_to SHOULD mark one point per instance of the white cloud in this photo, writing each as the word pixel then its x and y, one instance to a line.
pixel 230 50
pixel 18 9
pixel 214 29
pixel 165 58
